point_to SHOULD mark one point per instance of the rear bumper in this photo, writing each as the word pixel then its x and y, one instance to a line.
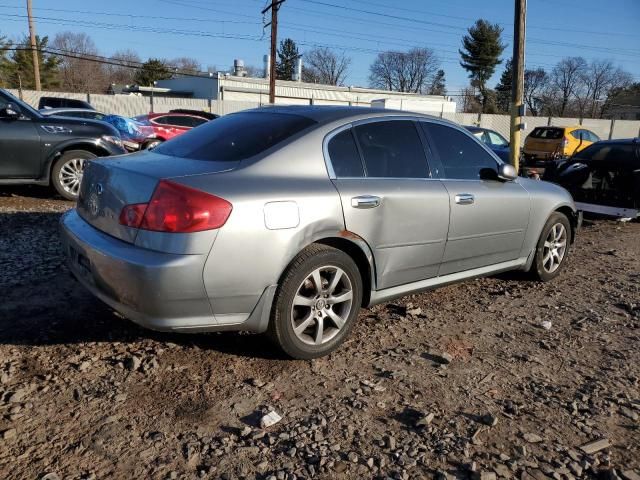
pixel 157 290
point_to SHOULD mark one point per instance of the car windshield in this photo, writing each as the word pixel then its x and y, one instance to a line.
pixel 236 136
pixel 22 105
pixel 547 133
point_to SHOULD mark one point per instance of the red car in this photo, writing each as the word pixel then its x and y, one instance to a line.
pixel 173 123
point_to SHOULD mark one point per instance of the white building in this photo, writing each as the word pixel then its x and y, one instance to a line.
pixel 222 86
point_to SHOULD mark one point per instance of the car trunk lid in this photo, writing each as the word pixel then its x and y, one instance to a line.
pixel 111 183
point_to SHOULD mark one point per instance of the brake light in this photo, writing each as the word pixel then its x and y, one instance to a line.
pixel 177 209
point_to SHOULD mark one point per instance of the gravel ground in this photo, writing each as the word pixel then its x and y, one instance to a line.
pixel 469 381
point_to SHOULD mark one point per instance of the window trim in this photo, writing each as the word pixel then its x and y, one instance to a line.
pixel 329 136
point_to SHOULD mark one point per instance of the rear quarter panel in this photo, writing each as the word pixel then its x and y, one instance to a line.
pixel 247 256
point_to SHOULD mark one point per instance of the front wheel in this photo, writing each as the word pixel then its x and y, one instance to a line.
pixel 316 303
pixel 552 249
pixel 66 174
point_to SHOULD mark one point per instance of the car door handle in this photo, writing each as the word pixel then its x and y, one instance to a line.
pixel 365 201
pixel 464 199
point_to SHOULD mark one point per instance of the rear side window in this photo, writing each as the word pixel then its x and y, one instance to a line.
pixel 344 155
pixel 462 157
pixel 392 149
pixel 235 137
pixel 547 133
pixel 197 121
pixel 160 120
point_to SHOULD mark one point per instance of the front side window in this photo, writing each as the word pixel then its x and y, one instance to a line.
pixel 461 156
pixel 344 155
pixel 235 137
pixel 179 121
pixel 392 149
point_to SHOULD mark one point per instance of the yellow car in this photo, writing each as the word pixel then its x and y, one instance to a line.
pixel 548 143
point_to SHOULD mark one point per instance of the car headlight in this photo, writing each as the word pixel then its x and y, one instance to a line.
pixel 113 140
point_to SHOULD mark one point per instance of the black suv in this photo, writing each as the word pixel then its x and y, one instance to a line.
pixel 49 150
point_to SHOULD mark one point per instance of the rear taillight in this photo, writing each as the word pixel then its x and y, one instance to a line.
pixel 177 209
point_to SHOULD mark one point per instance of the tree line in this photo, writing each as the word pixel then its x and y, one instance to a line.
pixel 572 87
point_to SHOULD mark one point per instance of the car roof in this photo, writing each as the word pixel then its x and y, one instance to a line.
pixel 619 141
pixel 173 114
pixel 51 111
pixel 327 113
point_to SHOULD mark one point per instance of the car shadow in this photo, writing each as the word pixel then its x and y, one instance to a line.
pixel 42 304
pixel 29 192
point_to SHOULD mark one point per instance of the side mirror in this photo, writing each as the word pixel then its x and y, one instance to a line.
pixel 10 111
pixel 506 171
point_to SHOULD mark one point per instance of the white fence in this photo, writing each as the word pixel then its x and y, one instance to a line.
pixel 132 105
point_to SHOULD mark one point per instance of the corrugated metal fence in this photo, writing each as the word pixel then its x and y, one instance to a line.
pixel 132 105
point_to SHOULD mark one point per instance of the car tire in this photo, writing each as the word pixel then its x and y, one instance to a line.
pixel 552 248
pixel 301 310
pixel 152 144
pixel 66 174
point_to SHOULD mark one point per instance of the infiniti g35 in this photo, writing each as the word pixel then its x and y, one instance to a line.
pixel 287 220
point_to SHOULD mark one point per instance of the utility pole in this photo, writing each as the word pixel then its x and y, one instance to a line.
pixel 517 85
pixel 34 51
pixel 274 7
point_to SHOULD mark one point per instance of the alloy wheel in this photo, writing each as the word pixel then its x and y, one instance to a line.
pixel 70 175
pixel 322 305
pixel 555 247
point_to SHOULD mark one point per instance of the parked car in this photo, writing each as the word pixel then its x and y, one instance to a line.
pixel 60 102
pixel 171 124
pixel 493 140
pixel 289 219
pixel 546 144
pixel 604 178
pixel 49 150
pixel 135 136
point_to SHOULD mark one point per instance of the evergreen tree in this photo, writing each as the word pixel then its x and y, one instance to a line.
pixel 20 68
pixel 438 86
pixel 503 89
pixel 152 70
pixel 287 56
pixel 481 52
pixel 5 44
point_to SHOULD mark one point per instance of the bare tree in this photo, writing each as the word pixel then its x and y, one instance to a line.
pixel 124 73
pixel 322 65
pixel 535 82
pixel 565 79
pixel 411 71
pixel 79 74
pixel 470 100
pixel 598 79
pixel 184 65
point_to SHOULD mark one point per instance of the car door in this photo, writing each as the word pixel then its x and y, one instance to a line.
pixel 488 217
pixel 381 172
pixel 20 149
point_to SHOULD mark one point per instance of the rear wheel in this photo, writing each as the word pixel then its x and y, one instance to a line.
pixel 152 144
pixel 316 303
pixel 552 248
pixel 66 174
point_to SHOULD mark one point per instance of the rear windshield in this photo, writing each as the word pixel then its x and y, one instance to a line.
pixel 235 137
pixel 547 133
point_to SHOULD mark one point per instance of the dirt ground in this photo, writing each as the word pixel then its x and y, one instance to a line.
pixel 461 382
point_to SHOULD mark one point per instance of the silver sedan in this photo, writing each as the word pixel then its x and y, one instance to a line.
pixel 287 220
